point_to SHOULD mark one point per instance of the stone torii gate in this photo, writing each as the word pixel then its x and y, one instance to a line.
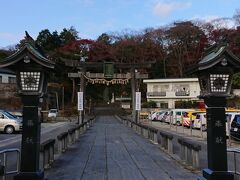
pixel 104 78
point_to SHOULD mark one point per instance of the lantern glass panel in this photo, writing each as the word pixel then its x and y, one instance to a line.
pixel 219 83
pixel 30 81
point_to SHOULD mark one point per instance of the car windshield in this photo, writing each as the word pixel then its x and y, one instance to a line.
pixel 53 111
pixel 178 113
pixel 185 114
pixel 9 115
pixel 238 120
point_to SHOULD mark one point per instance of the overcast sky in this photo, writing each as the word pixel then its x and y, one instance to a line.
pixel 91 18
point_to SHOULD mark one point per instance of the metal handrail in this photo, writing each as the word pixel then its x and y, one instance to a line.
pixel 5 153
pixel 234 151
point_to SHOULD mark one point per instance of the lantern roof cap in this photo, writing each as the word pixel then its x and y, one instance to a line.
pixel 211 55
pixel 28 49
pixel 214 55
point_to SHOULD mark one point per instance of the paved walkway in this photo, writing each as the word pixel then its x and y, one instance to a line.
pixel 111 151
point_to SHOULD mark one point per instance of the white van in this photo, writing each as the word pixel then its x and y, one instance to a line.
pixel 176 116
pixel 155 116
pixel 9 123
pixel 200 121
pixel 167 117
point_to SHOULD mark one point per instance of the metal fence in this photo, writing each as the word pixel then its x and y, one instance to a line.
pixel 8 168
pixel 233 162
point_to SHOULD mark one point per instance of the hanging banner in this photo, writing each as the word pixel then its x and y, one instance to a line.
pixel 138 101
pixel 80 101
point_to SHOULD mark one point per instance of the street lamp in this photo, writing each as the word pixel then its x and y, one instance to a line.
pixel 31 71
pixel 215 72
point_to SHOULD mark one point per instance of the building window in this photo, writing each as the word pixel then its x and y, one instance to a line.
pixel 164 105
pixel 11 80
pixel 161 93
pixel 182 89
pixel 0 79
pixel 158 90
pixel 182 93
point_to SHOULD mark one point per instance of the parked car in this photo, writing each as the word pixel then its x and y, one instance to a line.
pixel 177 115
pixel 235 127
pixel 229 119
pixel 9 123
pixel 151 114
pixel 188 117
pixel 52 113
pixel 166 117
pixel 18 114
pixel 158 116
pixel 162 115
pixel 144 115
pixel 200 121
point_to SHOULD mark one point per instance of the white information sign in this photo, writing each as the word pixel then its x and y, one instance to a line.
pixel 138 101
pixel 80 101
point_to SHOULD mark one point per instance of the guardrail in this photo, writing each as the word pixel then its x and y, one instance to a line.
pixel 234 169
pixel 189 152
pixel 62 142
pixel 65 139
pixel 166 141
pixel 71 135
pixel 47 148
pixel 4 163
pixel 152 134
pixel 47 153
pixel 146 131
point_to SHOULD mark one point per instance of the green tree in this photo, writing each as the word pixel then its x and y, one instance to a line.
pixel 105 38
pixel 68 35
pixel 149 104
pixel 44 40
pixel 3 54
pixel 56 40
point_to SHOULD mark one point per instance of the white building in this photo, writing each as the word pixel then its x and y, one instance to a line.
pixel 7 76
pixel 7 83
pixel 165 92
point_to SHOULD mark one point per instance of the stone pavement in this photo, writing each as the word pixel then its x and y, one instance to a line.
pixel 111 151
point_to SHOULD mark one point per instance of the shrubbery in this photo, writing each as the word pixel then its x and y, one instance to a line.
pixel 186 104
pixel 149 104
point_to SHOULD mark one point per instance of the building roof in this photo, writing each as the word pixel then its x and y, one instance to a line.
pixel 167 80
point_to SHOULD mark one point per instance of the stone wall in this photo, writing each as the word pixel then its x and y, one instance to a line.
pixel 7 90
pixel 8 98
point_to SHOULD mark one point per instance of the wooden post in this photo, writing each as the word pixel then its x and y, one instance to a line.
pixel 57 104
pixel 63 98
pixel 133 88
pixel 82 89
pixel 73 90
